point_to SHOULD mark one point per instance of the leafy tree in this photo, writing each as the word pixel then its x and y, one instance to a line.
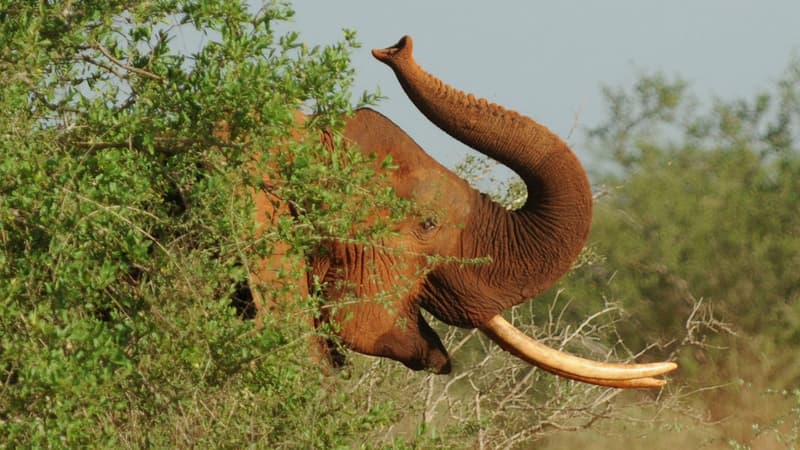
pixel 124 233
pixel 707 202
pixel 698 227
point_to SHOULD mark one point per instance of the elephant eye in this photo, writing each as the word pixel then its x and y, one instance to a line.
pixel 428 224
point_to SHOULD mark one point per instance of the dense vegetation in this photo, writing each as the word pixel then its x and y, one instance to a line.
pixel 125 242
pixel 123 231
pixel 700 231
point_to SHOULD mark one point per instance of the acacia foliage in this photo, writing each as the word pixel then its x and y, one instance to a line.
pixel 697 221
pixel 704 207
pixel 124 235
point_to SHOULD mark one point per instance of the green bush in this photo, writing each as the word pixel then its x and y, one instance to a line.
pixel 697 222
pixel 704 208
pixel 122 225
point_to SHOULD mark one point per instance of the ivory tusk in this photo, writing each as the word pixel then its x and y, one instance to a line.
pixel 563 364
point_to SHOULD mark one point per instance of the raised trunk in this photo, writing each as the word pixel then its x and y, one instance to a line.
pixel 549 231
pixel 531 247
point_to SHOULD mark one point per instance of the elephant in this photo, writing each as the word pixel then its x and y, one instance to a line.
pixel 528 248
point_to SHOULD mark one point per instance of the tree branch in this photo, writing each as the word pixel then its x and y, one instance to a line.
pixel 127 67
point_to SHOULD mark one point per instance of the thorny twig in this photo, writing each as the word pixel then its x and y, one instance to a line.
pixel 127 67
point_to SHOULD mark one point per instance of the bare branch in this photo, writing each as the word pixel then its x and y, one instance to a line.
pixel 169 146
pixel 127 67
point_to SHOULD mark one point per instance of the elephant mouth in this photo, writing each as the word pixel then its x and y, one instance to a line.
pixel 573 367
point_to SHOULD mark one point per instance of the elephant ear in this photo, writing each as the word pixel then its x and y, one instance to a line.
pixel 370 302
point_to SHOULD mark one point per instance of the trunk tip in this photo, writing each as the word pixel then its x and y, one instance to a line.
pixel 403 49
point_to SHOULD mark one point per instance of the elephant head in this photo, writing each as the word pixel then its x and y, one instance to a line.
pixel 376 291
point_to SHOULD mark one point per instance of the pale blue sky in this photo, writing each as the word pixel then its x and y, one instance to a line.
pixel 548 59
